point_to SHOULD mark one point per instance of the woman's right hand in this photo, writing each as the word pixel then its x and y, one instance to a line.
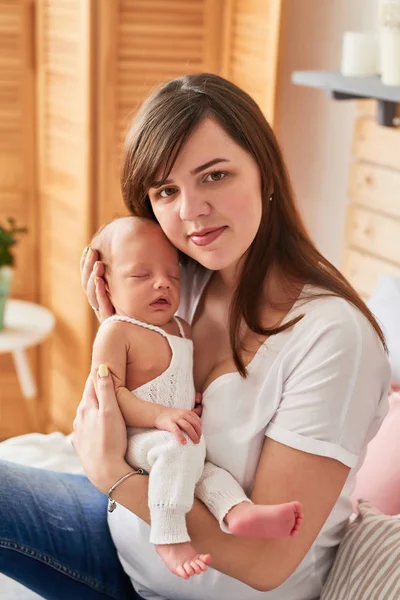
pixel 92 273
pixel 99 437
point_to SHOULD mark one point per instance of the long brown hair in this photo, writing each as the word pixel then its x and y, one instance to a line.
pixel 155 138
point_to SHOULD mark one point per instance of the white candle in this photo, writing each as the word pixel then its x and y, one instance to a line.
pixel 390 56
pixel 390 41
pixel 359 54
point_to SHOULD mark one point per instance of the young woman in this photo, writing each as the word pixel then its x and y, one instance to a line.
pixel 290 362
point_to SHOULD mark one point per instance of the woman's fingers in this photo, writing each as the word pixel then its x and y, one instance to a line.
pixel 91 292
pixel 88 400
pixel 89 397
pixel 106 309
pixel 106 396
pixel 198 406
pixel 92 274
pixel 88 259
pixel 100 437
pixel 83 258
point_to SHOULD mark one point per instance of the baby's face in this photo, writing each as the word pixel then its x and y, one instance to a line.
pixel 144 274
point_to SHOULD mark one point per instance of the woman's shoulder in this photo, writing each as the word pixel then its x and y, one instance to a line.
pixel 334 322
pixel 322 307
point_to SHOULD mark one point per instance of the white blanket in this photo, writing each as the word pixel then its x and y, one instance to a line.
pixel 53 451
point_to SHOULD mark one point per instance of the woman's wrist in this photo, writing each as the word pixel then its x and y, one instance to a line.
pixel 110 476
pixel 133 494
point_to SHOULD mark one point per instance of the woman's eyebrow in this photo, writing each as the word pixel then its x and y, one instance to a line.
pixel 210 163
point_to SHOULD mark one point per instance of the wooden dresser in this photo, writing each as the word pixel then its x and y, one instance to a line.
pixel 372 244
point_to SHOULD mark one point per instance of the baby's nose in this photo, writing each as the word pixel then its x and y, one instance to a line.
pixel 163 282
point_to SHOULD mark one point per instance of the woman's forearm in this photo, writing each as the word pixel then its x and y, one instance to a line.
pixel 240 558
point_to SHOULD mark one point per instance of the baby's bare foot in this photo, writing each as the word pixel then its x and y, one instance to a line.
pixel 265 521
pixel 182 559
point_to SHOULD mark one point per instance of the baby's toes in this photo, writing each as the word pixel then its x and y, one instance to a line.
pixel 195 566
pixel 180 571
pixel 206 558
pixel 188 569
pixel 201 564
pixel 298 509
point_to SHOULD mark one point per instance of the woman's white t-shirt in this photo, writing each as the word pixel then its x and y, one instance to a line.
pixel 320 387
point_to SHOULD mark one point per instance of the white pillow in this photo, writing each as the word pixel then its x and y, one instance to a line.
pixel 367 565
pixel 385 305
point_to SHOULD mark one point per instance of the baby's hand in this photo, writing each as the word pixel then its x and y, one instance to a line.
pixel 179 421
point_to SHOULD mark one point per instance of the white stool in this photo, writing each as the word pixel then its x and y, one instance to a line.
pixel 26 324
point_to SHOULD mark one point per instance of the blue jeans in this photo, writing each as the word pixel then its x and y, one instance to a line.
pixel 54 537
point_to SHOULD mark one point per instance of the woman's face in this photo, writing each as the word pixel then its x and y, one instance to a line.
pixel 210 206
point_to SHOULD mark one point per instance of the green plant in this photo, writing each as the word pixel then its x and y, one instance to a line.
pixel 8 239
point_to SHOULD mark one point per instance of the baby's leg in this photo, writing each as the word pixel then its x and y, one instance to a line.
pixel 236 514
pixel 174 472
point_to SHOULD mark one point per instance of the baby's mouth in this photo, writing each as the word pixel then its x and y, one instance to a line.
pixel 161 301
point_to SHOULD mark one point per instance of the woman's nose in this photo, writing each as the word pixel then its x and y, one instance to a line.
pixel 193 205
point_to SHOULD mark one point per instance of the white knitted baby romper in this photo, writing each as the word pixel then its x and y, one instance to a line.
pixel 176 468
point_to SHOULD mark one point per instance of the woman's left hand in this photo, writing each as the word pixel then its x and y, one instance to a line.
pixel 100 437
pixel 198 404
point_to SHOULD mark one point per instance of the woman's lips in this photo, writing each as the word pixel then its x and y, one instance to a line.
pixel 206 238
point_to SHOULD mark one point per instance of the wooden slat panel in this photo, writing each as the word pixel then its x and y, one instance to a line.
pixel 369 107
pixel 65 61
pixel 376 144
pixel 363 271
pixel 143 43
pixel 251 47
pixel 17 184
pixel 17 178
pixel 374 234
pixel 375 187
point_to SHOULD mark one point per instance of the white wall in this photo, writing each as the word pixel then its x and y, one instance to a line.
pixel 315 132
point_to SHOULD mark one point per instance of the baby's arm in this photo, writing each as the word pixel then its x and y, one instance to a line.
pixel 111 348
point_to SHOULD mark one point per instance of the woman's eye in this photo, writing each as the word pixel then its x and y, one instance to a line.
pixel 215 176
pixel 166 192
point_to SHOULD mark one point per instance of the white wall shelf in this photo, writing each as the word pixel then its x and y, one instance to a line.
pixel 340 87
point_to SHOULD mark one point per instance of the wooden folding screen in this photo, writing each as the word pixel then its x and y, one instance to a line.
pixel 93 63
pixel 17 181
pixel 251 45
pixel 143 43
pixel 65 36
